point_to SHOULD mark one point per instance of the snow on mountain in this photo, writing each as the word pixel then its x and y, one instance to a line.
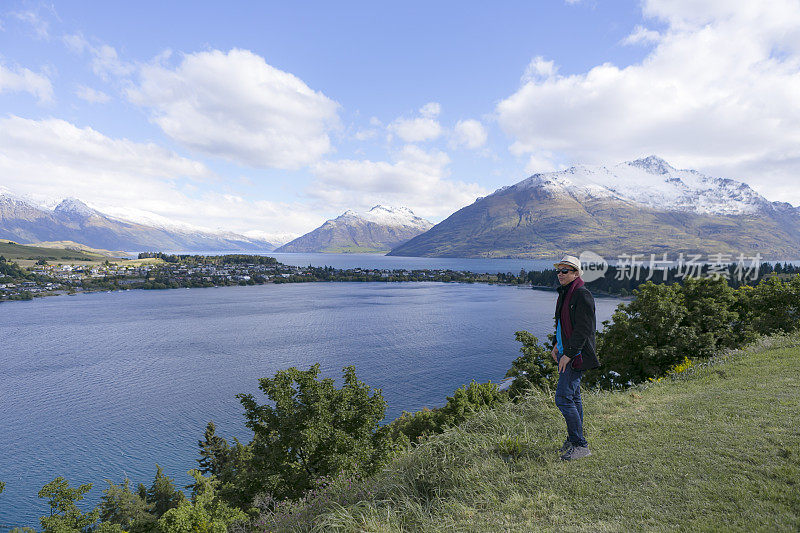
pixel 148 218
pixel 378 230
pixel 121 229
pixel 653 182
pixel 389 216
pixel 74 207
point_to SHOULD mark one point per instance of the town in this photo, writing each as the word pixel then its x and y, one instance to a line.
pixel 189 271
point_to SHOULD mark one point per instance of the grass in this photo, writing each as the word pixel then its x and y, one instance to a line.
pixel 714 447
pixel 15 252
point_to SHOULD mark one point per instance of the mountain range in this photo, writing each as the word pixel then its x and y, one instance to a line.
pixel 636 207
pixel 378 230
pixel 73 220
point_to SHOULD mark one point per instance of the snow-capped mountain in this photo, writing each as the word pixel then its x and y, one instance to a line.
pixel 398 217
pixel 378 230
pixel 643 206
pixel 73 220
pixel 653 182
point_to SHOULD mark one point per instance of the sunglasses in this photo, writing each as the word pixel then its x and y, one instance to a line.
pixel 565 270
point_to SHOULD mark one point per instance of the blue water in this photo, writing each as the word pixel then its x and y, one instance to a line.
pixel 104 385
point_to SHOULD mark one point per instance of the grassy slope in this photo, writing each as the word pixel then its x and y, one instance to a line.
pixel 13 251
pixel 72 245
pixel 715 449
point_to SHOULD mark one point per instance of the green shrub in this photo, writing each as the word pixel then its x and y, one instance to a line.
pixel 773 305
pixel 666 323
pixel 535 369
pixel 465 401
pixel 645 337
pixel 311 430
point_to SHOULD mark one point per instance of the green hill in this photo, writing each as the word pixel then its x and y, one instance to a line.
pixel 13 252
pixel 76 246
pixel 715 447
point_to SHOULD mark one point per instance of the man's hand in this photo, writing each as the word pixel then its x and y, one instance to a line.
pixel 563 362
pixel 554 353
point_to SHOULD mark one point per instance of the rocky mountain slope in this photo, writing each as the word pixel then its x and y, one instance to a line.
pixel 644 206
pixel 378 230
pixel 72 220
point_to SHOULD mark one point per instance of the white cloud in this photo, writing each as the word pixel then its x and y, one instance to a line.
pixel 430 110
pixel 91 95
pixel 83 154
pixel 236 106
pixel 469 134
pixel 540 162
pixel 415 178
pixel 419 129
pixel 22 79
pixel 105 61
pixel 641 35
pixel 365 135
pixel 719 89
pixel 414 130
pixel 52 159
pixel 76 42
pixel 539 69
pixel 40 26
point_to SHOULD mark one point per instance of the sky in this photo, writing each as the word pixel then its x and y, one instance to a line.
pixel 268 118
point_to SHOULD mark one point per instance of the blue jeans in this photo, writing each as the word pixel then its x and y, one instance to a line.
pixel 568 400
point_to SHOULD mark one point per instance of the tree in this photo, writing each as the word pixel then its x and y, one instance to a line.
pixel 313 430
pixel 65 516
pixel 225 463
pixel 711 315
pixel 773 305
pixel 206 512
pixel 534 369
pixel 645 337
pixel 119 505
pixel 162 494
pixel 214 451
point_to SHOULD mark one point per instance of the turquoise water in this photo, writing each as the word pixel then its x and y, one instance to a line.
pixel 105 385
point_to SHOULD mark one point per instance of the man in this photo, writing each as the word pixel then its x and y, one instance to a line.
pixel 574 351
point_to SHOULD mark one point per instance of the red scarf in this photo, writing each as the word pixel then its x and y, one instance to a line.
pixel 566 323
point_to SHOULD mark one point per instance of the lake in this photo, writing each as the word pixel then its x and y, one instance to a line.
pixel 105 385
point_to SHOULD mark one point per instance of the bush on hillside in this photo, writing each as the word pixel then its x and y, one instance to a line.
pixel 465 401
pixel 773 305
pixel 666 323
pixel 534 369
pixel 311 429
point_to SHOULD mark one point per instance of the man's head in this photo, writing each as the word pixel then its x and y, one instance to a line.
pixel 568 269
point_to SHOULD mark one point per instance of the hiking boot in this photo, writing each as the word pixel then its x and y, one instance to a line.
pixel 567 446
pixel 576 452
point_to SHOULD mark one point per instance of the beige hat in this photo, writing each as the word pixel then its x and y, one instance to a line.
pixel 572 261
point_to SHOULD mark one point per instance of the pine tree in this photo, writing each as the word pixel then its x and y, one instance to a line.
pixel 214 451
pixel 162 494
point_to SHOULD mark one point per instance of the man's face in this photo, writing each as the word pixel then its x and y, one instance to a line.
pixel 569 276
